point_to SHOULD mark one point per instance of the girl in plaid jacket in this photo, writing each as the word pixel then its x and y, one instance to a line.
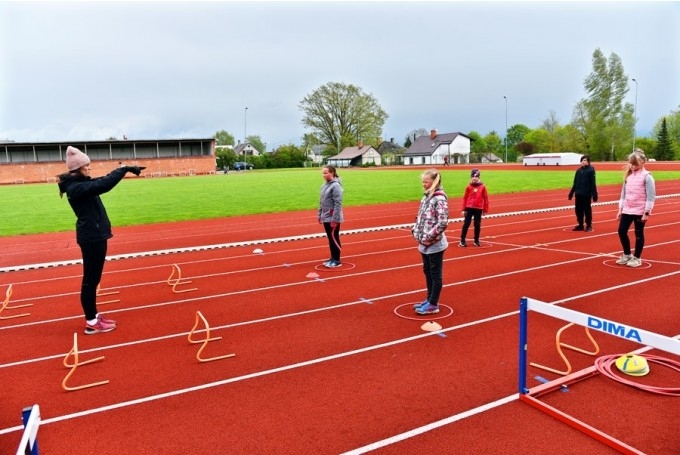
pixel 431 222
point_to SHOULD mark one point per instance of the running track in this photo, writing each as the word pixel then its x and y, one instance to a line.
pixel 325 365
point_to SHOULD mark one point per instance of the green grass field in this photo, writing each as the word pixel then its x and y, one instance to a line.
pixel 37 208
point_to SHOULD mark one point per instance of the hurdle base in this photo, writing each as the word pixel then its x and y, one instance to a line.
pixel 7 306
pixel 76 363
pixel 581 426
pixel 205 341
pixel 178 281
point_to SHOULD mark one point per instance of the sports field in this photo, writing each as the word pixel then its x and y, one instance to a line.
pixel 336 361
pixel 37 208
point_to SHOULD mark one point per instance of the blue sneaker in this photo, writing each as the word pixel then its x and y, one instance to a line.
pixel 428 309
pixel 332 264
pixel 418 305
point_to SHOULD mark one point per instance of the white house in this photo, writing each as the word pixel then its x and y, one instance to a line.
pixel 552 159
pixel 246 149
pixel 355 156
pixel 315 153
pixel 435 148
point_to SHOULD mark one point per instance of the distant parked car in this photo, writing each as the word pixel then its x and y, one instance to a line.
pixel 241 165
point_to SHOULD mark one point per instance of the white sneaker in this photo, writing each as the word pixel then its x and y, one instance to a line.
pixel 623 260
pixel 634 262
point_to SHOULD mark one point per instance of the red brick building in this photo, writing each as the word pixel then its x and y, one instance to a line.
pixel 34 162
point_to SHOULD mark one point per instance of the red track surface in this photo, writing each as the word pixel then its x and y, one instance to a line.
pixel 325 365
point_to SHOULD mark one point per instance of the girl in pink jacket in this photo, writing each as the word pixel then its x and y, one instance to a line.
pixel 635 207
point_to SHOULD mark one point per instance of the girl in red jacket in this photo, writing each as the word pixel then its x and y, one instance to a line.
pixel 475 202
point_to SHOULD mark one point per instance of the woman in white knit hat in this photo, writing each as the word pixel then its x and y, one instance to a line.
pixel 93 228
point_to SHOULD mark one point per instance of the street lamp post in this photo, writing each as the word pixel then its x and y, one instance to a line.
pixel 506 129
pixel 245 138
pixel 635 112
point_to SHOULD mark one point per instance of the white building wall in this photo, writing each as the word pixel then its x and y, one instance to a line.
pixel 371 157
pixel 461 148
pixel 461 145
pixel 551 159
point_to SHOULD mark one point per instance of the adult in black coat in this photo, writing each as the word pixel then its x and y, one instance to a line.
pixel 93 228
pixel 585 190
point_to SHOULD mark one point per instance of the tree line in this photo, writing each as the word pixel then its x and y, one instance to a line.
pixel 602 125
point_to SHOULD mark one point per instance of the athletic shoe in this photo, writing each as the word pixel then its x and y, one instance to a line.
pixel 325 264
pixel 589 229
pixel 332 264
pixel 428 309
pixel 578 228
pixel 462 244
pixel 103 318
pixel 418 305
pixel 477 243
pixel 98 327
pixel 634 262
pixel 623 260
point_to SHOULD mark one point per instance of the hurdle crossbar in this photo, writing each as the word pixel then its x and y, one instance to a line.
pixel 613 328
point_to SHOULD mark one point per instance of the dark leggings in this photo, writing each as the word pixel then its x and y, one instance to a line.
pixel 94 255
pixel 469 214
pixel 583 210
pixel 624 224
pixel 433 265
pixel 333 234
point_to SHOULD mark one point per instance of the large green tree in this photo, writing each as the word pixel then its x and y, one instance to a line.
pixel 477 144
pixel 541 139
pixel 551 125
pixel 673 125
pixel 494 144
pixel 570 140
pixel 583 125
pixel 647 144
pixel 664 149
pixel 224 156
pixel 223 137
pixel 515 136
pixel 605 119
pixel 287 156
pixel 342 114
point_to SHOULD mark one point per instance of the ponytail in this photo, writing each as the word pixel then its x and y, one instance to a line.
pixel 436 181
pixel 637 158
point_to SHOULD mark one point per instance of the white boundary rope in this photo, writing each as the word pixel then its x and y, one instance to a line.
pixel 248 243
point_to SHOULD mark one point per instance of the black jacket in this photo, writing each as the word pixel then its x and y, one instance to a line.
pixel 584 183
pixel 92 223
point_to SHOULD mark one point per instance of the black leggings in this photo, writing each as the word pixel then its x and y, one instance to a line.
pixel 94 255
pixel 333 234
pixel 583 210
pixel 433 265
pixel 624 224
pixel 469 214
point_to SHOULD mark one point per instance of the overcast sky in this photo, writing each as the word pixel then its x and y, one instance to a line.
pixel 74 71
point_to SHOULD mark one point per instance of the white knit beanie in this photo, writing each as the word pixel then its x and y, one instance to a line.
pixel 75 159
